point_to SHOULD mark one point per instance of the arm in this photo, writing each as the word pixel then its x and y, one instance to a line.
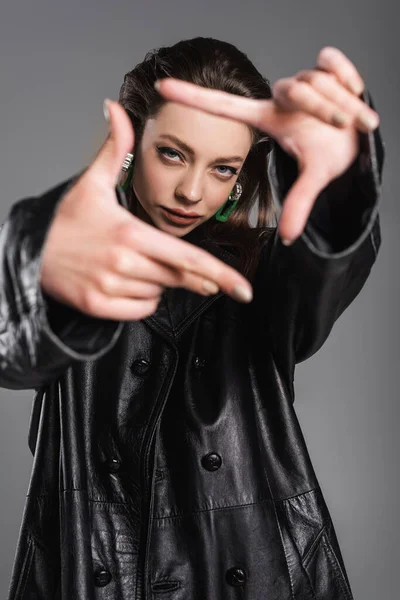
pixel 302 289
pixel 39 336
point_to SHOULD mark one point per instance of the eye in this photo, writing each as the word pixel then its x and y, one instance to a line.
pixel 228 173
pixel 172 155
pixel 168 153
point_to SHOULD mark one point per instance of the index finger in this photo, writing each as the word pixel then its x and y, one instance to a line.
pixel 184 256
pixel 248 110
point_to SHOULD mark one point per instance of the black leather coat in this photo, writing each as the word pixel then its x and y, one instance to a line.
pixel 168 459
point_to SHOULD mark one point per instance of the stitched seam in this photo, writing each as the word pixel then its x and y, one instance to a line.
pixel 159 327
pixel 281 536
pixel 309 554
pixel 206 510
pixel 93 500
pixel 309 582
pixel 66 491
pixel 285 553
pixel 190 318
pixel 107 503
pixel 111 502
pixel 337 568
pixel 302 560
pixel 26 569
pixel 164 392
pixel 297 495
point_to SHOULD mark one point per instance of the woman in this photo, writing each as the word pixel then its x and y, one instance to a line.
pixel 168 459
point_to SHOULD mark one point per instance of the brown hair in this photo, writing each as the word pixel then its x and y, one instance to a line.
pixel 219 65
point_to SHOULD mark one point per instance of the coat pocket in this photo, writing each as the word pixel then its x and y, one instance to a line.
pixel 324 570
pixel 313 556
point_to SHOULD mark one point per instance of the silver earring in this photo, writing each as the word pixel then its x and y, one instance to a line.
pixel 235 195
pixel 127 162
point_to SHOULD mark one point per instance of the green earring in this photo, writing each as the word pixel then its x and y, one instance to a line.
pixel 226 209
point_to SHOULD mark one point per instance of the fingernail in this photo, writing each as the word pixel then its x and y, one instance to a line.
pixel 210 287
pixel 106 110
pixel 241 293
pixel 157 85
pixel 339 119
pixel 355 88
pixel 287 242
pixel 369 122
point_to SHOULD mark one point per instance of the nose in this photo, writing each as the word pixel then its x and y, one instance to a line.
pixel 190 189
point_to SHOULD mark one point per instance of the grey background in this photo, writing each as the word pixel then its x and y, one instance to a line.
pixel 58 62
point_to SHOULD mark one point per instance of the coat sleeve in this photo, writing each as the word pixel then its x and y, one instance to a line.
pixel 39 336
pixel 300 290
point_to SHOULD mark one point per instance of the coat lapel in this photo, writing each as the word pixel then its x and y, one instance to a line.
pixel 179 307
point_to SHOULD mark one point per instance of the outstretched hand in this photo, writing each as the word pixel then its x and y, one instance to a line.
pixel 315 116
pixel 106 262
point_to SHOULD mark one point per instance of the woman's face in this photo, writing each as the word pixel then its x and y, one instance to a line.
pixel 187 160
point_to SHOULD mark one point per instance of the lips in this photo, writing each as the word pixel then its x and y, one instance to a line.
pixel 182 213
pixel 176 218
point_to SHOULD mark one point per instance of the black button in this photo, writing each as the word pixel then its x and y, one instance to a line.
pixel 140 366
pixel 236 576
pixel 102 578
pixel 212 461
pixel 113 465
pixel 199 362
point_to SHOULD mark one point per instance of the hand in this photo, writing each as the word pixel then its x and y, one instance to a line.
pixel 315 116
pixel 104 261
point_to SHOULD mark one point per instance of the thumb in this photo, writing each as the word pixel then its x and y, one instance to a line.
pixel 298 204
pixel 108 162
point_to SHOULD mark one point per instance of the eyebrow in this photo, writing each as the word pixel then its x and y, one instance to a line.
pixel 190 150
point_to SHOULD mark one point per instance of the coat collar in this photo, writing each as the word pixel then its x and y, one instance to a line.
pixel 179 307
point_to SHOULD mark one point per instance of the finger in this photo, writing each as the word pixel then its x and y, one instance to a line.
pixel 133 268
pixel 184 256
pixel 336 62
pixel 114 285
pixel 108 162
pixel 322 96
pixel 248 110
pixel 292 94
pixel 131 264
pixel 119 309
pixel 298 204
